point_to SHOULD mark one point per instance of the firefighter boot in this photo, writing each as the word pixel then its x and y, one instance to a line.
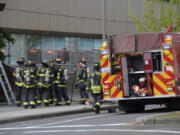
pixel 18 103
pixel 97 109
pixel 33 106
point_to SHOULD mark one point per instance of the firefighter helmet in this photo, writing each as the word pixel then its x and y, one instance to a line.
pixel 44 63
pixel 58 61
pixel 97 66
pixel 20 61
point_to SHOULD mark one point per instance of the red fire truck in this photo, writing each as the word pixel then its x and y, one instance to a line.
pixel 141 69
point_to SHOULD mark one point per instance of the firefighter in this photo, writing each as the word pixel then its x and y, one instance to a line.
pixel 29 85
pixel 81 77
pixel 45 78
pixel 95 86
pixel 18 78
pixel 59 84
pixel 52 97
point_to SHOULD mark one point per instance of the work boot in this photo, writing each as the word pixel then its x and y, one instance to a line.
pixel 46 104
pixel 33 106
pixel 97 109
pixel 68 103
pixel 18 105
pixel 25 107
pixel 57 104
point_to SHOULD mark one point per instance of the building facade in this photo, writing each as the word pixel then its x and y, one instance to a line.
pixel 69 29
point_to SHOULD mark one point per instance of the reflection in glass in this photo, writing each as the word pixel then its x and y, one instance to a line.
pixel 34 48
pixel 17 49
pixel 48 47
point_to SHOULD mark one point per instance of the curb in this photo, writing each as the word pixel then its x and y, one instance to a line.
pixel 54 114
pixel 150 120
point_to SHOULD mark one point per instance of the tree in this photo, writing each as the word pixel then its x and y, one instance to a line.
pixel 168 14
pixel 5 38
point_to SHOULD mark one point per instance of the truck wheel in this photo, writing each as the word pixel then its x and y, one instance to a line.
pixel 131 107
pixel 111 110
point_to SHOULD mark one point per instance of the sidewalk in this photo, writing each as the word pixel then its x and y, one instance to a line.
pixel 13 114
pixel 165 118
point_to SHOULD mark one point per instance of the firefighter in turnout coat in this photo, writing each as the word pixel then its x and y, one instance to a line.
pixel 45 80
pixel 81 77
pixel 18 78
pixel 29 74
pixel 95 86
pixel 59 84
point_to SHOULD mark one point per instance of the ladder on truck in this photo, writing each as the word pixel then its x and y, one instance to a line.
pixel 6 86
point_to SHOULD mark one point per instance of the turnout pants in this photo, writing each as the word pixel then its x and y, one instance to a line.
pixel 29 97
pixel 61 92
pixel 83 93
pixel 97 99
pixel 18 95
pixel 43 95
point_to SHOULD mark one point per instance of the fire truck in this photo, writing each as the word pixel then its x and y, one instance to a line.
pixel 151 58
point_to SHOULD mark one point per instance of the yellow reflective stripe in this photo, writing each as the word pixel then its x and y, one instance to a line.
pixel 29 86
pixel 25 103
pixel 56 81
pixel 41 75
pixel 81 81
pixel 32 76
pixel 18 102
pixel 61 85
pixel 50 100
pixel 32 103
pixel 68 101
pixel 46 101
pixel 98 104
pixel 55 99
pixel 39 101
pixel 60 103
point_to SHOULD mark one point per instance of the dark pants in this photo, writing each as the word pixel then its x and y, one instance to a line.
pixel 61 92
pixel 18 95
pixel 83 93
pixel 29 97
pixel 43 95
pixel 51 94
pixel 97 98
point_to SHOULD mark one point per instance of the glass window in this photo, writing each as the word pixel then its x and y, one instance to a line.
pixel 34 48
pixel 74 51
pixel 97 45
pixel 48 47
pixel 87 51
pixel 61 50
pixel 17 50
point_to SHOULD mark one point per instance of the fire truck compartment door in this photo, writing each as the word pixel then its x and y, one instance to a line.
pixel 125 77
pixel 147 62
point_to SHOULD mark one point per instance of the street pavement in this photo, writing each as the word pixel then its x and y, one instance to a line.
pixel 10 114
pixel 90 123
pixel 13 113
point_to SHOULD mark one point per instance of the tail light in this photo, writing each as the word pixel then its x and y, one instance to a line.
pixel 106 88
pixel 169 84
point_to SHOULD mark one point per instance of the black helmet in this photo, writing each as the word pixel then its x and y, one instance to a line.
pixel 58 61
pixel 20 61
pixel 97 66
pixel 30 63
pixel 44 62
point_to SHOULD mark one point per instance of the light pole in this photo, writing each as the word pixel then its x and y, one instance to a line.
pixel 104 20
pixel 2 6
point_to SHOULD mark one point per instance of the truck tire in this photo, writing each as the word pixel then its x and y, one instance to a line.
pixel 130 107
